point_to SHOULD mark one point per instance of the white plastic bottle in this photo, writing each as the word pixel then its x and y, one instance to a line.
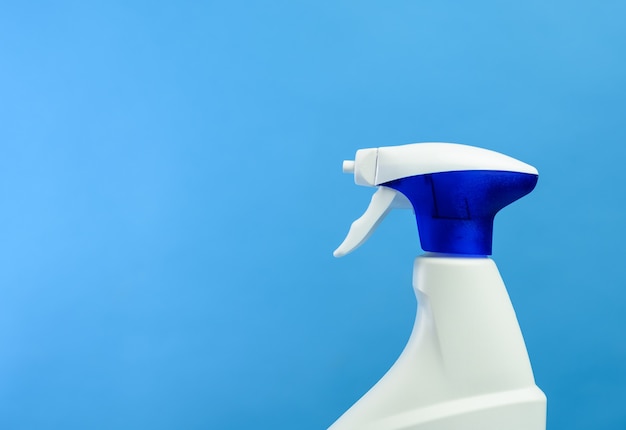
pixel 465 366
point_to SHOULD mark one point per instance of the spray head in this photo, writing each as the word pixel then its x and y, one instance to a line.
pixel 455 192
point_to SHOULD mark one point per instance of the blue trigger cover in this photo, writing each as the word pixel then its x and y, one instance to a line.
pixel 455 210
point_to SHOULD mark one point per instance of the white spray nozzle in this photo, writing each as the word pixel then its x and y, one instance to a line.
pixel 348 166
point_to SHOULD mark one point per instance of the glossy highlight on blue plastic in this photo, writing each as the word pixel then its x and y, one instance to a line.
pixel 455 210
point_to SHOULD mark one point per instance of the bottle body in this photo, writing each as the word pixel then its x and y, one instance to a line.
pixel 465 365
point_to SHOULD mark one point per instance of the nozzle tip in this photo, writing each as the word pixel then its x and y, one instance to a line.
pixel 348 166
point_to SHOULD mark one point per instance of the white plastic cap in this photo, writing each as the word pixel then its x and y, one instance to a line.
pixel 375 166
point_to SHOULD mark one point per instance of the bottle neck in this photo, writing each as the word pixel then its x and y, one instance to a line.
pixel 429 254
pixel 464 302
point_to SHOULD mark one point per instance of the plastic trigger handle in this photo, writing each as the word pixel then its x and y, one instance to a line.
pixel 382 202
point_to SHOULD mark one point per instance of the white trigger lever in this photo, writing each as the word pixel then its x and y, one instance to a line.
pixel 382 202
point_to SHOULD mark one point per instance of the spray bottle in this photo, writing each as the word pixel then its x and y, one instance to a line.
pixel 465 366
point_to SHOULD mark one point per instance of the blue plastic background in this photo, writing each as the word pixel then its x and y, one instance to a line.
pixel 171 194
